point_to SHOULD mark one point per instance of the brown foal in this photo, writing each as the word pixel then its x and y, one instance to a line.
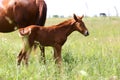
pixel 54 36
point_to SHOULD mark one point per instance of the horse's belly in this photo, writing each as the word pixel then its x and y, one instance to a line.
pixel 46 43
pixel 7 27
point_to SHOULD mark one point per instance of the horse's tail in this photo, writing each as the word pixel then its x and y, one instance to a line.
pixel 24 32
pixel 42 12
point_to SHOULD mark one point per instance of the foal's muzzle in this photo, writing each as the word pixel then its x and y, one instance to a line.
pixel 86 33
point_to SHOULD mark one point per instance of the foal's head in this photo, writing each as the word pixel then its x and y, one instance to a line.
pixel 80 26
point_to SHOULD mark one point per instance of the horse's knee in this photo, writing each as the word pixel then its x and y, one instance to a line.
pixel 58 60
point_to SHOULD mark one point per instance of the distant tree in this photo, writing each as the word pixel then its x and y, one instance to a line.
pixel 55 16
pixel 62 16
pixel 95 15
pixel 103 14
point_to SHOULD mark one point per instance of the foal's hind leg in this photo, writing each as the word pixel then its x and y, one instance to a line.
pixel 24 52
pixel 26 56
pixel 42 48
pixel 20 56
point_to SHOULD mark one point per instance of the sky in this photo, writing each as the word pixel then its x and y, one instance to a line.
pixel 86 7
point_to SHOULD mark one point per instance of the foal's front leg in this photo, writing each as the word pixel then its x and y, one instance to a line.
pixel 57 54
pixel 42 48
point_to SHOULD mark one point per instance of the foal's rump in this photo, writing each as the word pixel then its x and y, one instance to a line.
pixel 28 30
pixel 24 31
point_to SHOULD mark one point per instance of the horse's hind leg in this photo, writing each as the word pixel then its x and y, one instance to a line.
pixel 20 56
pixel 26 56
pixel 42 48
pixel 24 52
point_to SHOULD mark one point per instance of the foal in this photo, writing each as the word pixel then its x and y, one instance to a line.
pixel 54 36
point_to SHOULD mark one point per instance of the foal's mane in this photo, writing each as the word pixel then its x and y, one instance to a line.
pixel 65 22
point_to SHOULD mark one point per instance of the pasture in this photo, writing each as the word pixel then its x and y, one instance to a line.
pixel 96 57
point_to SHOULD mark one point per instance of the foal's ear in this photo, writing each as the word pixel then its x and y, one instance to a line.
pixel 81 16
pixel 75 17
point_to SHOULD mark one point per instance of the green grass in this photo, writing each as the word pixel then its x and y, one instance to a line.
pixel 96 57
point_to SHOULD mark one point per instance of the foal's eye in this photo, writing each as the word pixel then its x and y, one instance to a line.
pixel 81 24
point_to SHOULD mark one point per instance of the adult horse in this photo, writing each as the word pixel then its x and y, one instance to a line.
pixel 15 14
pixel 21 13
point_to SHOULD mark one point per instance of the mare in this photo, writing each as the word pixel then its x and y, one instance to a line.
pixel 21 13
pixel 54 36
pixel 15 14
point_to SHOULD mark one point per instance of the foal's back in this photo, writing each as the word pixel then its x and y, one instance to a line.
pixel 49 36
pixel 44 35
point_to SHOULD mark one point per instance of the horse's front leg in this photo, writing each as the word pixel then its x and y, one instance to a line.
pixel 57 55
pixel 42 48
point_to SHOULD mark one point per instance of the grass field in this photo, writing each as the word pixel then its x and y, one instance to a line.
pixel 96 57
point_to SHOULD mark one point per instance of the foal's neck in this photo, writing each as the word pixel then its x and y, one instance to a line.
pixel 66 26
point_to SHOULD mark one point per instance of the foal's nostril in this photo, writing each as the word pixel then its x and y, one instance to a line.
pixel 86 33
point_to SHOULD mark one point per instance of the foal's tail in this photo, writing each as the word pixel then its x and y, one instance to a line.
pixel 24 32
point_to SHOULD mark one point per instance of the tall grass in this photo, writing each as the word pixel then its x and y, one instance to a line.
pixel 96 57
